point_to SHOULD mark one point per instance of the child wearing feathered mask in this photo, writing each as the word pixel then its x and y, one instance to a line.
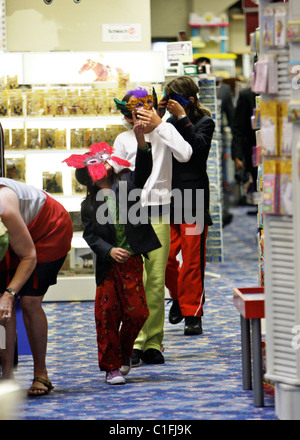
pixel 166 143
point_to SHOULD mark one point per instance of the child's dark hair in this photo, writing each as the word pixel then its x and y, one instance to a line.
pixel 82 175
pixel 186 86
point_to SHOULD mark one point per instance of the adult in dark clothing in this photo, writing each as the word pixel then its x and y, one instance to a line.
pixel 243 135
pixel 224 95
pixel 186 282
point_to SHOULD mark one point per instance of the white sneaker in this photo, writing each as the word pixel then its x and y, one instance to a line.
pixel 114 377
pixel 126 367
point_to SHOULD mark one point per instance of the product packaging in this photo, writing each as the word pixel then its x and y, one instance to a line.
pixel 77 137
pixel 269 127
pixel 17 138
pixel 285 132
pixel 293 31
pixel 32 136
pixel 270 192
pixel 294 111
pixel 285 187
pixel 52 182
pixel 268 27
pixel 280 19
pixel 15 168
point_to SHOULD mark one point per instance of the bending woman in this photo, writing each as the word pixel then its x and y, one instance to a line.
pixel 40 233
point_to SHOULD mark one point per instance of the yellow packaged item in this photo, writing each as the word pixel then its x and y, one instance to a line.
pixel 77 138
pixel 47 138
pixel 12 82
pixel 16 103
pixel 17 138
pixel 32 136
pixel 60 138
pixel 269 114
pixel 15 168
pixel 3 104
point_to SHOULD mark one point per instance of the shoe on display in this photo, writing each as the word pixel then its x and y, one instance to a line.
pixel 153 356
pixel 126 366
pixel 175 315
pixel 114 377
pixel 193 325
pixel 136 360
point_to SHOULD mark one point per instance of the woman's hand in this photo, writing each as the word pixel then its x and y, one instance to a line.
pixel 6 306
pixel 238 164
pixel 119 255
pixel 175 108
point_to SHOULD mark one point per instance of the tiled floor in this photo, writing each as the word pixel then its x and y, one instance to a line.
pixel 201 377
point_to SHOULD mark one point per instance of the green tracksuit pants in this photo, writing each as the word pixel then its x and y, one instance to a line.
pixel 152 333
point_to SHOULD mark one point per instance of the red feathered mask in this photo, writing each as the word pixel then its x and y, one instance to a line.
pixel 94 160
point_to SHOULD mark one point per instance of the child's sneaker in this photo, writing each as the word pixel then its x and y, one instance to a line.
pixel 114 377
pixel 126 367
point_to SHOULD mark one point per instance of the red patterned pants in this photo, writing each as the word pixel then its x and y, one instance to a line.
pixel 120 312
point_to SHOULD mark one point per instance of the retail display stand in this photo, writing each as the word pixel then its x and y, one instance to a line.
pixel 35 147
pixel 250 302
pixel 208 98
pixel 277 80
pixel 209 29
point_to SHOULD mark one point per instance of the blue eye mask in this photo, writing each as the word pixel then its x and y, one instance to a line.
pixel 179 98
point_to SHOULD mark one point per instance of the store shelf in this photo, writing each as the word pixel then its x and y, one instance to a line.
pixel 76 280
pixel 209 25
pixel 281 228
pixel 77 288
pixel 60 122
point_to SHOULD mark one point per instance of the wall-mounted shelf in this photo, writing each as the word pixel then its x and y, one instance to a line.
pixel 36 166
pixel 205 33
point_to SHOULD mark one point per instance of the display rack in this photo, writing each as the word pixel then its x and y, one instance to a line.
pixel 35 163
pixel 207 29
pixel 214 248
pixel 280 220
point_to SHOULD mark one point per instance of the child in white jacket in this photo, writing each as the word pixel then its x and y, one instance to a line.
pixel 165 141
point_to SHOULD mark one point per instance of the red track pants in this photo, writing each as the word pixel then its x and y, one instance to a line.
pixel 120 301
pixel 186 282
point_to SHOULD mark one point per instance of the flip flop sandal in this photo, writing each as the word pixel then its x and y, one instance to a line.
pixel 42 391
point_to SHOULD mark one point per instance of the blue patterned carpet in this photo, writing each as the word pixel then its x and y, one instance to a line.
pixel 201 378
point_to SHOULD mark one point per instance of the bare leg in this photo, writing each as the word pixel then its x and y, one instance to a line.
pixel 7 354
pixel 37 332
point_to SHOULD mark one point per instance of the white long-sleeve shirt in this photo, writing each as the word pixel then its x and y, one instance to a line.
pixel 165 141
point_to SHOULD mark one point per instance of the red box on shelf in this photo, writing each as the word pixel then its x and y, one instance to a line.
pixel 250 301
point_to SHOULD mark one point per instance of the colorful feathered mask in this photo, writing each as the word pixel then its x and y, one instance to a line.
pixel 94 160
pixel 140 98
pixel 179 98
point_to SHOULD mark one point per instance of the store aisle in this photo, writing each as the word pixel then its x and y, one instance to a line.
pixel 201 379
